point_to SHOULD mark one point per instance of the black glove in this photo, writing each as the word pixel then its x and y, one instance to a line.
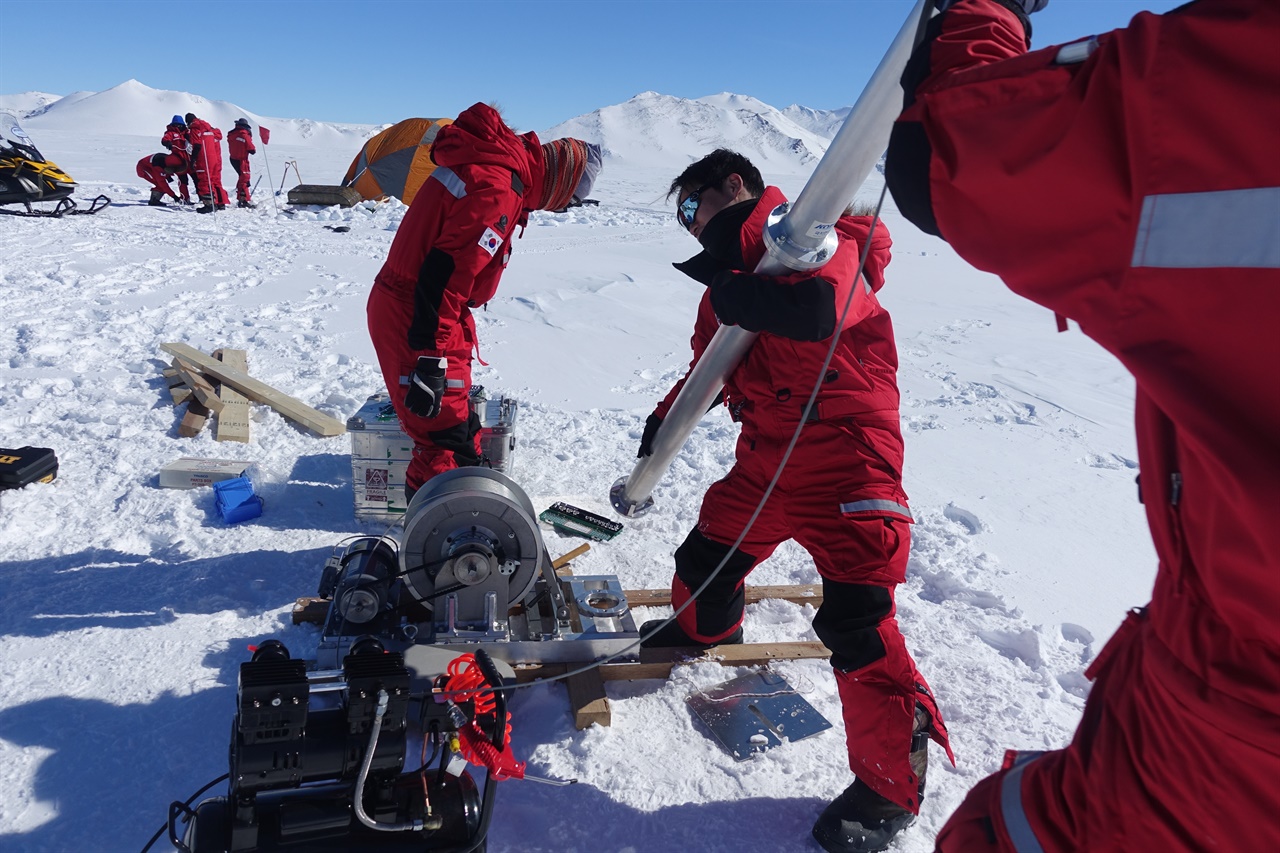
pixel 426 387
pixel 651 425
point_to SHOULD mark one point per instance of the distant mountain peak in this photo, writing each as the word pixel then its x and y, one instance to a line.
pixel 666 130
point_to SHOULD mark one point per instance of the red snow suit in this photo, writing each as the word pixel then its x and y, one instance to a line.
pixel 151 168
pixel 206 156
pixel 176 143
pixel 447 256
pixel 841 494
pixel 239 147
pixel 1135 188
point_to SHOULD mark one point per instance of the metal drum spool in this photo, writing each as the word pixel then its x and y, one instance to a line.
pixel 471 531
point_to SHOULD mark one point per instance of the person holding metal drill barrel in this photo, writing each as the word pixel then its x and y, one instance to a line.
pixel 840 495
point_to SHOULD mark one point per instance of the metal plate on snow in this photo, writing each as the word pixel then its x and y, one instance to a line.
pixel 756 712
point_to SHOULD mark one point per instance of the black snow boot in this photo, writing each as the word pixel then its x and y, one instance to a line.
pixel 157 199
pixel 205 208
pixel 673 636
pixel 243 203
pixel 220 207
pixel 862 821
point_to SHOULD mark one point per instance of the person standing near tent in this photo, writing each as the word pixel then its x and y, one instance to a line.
pixel 239 147
pixel 446 259
pixel 206 156
pixel 841 496
pixel 175 141
pixel 1130 182
pixel 158 170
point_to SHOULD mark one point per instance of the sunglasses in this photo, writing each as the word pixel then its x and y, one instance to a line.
pixel 688 209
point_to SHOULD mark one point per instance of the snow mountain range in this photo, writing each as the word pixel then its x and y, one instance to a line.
pixel 647 130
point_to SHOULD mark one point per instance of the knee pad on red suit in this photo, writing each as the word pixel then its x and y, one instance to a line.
pixel 460 440
pixel 718 610
pixel 848 622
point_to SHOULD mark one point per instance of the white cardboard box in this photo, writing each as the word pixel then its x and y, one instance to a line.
pixel 192 472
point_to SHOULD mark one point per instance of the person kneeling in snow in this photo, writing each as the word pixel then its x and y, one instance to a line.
pixel 239 147
pixel 159 169
pixel 176 143
pixel 446 259
pixel 841 497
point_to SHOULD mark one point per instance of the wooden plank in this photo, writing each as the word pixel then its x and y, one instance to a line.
pixel 293 409
pixel 199 386
pixel 194 420
pixel 587 700
pixel 233 420
pixel 658 663
pixel 178 389
pixel 806 593
pixel 561 562
pixel 310 610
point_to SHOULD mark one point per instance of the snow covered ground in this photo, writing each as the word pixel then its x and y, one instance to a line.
pixel 128 608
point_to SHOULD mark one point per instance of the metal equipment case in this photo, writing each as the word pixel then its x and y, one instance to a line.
pixel 380 450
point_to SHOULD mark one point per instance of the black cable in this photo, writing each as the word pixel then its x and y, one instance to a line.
pixel 224 777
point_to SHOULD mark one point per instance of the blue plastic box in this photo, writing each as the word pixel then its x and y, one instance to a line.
pixel 236 501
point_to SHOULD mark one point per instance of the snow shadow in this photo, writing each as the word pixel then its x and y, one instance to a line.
pixel 110 760
pixel 106 760
pixel 109 589
pixel 532 818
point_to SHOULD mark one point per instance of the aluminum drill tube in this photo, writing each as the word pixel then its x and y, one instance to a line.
pixel 799 236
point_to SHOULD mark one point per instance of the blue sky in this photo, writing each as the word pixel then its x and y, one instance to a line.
pixel 544 61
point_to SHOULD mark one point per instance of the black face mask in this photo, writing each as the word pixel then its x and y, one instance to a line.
pixel 722 236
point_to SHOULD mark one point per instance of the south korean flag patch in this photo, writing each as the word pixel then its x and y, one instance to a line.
pixel 490 240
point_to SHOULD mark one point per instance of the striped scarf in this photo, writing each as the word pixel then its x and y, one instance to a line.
pixel 563 161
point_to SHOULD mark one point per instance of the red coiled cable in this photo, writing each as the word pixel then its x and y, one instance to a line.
pixel 466 681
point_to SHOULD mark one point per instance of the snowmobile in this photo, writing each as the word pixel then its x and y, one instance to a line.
pixel 27 177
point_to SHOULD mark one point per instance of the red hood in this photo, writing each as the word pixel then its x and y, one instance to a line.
pixel 479 137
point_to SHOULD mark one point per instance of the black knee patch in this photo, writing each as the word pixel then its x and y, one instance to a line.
pixel 460 440
pixel 720 606
pixel 847 621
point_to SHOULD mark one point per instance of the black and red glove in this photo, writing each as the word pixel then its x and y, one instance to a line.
pixel 426 386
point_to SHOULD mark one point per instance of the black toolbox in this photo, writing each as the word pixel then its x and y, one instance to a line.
pixel 26 465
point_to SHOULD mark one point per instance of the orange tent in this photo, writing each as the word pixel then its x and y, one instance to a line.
pixel 395 161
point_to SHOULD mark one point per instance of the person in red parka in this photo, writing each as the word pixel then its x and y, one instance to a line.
pixel 239 147
pixel 176 143
pixel 1130 182
pixel 447 256
pixel 206 157
pixel 158 170
pixel 841 495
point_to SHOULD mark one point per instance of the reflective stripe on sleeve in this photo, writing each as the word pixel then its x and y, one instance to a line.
pixel 875 505
pixel 451 181
pixel 1016 824
pixel 1229 228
